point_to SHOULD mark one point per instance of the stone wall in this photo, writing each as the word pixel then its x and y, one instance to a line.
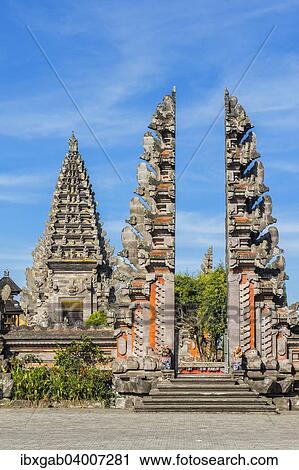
pixel 43 342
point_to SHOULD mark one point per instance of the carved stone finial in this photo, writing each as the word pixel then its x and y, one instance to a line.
pixel 73 143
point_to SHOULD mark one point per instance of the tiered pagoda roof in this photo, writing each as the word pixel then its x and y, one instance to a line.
pixel 74 232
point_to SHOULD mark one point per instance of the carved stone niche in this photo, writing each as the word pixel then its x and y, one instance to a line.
pixel 122 346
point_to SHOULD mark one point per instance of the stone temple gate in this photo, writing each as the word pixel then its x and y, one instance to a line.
pixel 74 270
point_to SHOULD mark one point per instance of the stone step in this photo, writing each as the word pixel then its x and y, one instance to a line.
pixel 204 394
pixel 210 387
pixel 196 393
pixel 204 400
pixel 196 379
pixel 207 408
pixel 208 378
pixel 203 376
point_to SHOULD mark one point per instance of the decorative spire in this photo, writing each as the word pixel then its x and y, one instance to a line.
pixel 207 262
pixel 73 144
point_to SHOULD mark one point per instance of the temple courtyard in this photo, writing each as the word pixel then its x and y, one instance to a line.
pixel 119 429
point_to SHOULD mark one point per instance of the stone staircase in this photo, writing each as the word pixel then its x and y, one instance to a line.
pixel 212 393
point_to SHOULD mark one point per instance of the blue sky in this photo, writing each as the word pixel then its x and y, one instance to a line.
pixel 117 59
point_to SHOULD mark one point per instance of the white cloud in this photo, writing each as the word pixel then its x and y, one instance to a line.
pixel 283 166
pixel 18 198
pixel 24 256
pixel 10 180
pixel 195 230
pixel 198 223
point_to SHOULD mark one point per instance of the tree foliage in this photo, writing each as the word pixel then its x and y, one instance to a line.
pixel 201 306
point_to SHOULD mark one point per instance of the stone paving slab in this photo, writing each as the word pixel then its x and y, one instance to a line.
pixel 120 429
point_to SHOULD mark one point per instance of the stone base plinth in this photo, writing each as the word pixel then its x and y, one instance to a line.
pixel 132 385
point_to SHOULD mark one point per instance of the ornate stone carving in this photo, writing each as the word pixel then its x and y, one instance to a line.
pixel 256 268
pixel 72 249
pixel 144 279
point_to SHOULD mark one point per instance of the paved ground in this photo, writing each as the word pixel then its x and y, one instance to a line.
pixel 118 429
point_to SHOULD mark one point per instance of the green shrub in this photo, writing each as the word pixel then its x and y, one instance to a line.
pixel 97 318
pixel 76 375
pixel 79 354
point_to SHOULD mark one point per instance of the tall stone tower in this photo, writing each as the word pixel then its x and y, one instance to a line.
pixel 144 279
pixel 256 276
pixel 70 276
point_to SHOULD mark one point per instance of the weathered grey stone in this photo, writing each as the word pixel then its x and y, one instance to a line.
pixel 207 262
pixel 254 363
pixel 150 363
pixel 270 363
pixel 294 403
pixel 134 385
pixel 117 367
pixel 254 279
pixel 127 402
pixel 124 403
pixel 32 340
pixel 285 366
pixel 7 385
pixel 254 374
pixel 263 386
pixel 146 266
pixel 132 363
pixel 286 384
pixel 282 403
pixel 122 346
